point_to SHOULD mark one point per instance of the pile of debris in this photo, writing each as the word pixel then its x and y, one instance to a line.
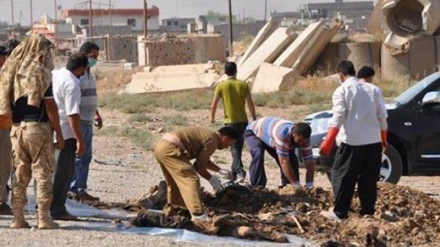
pixel 404 216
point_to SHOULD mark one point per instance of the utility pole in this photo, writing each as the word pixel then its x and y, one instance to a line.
pixel 145 19
pixel 32 16
pixel 111 16
pixel 12 16
pixel 55 29
pixel 265 10
pixel 90 18
pixel 231 38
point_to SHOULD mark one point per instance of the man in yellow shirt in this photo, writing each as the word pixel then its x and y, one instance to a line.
pixel 234 94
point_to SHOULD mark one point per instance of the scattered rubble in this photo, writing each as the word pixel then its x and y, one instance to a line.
pixel 404 216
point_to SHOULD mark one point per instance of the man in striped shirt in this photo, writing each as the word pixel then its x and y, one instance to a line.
pixel 89 116
pixel 279 137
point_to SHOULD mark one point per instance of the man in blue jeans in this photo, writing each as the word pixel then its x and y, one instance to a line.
pixel 280 138
pixel 89 117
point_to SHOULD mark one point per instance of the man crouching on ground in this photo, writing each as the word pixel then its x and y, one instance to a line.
pixel 174 152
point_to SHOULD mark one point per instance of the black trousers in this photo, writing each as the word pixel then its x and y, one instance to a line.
pixel 356 164
pixel 237 149
pixel 65 165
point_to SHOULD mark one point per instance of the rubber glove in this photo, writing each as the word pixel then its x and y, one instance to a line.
pixel 384 137
pixel 327 144
pixel 215 183
pixel 226 174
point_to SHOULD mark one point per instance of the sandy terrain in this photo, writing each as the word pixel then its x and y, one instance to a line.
pixel 121 173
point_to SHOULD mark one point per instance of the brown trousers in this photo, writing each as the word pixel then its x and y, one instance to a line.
pixel 183 183
pixel 32 155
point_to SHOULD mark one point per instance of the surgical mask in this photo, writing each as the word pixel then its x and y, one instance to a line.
pixel 92 62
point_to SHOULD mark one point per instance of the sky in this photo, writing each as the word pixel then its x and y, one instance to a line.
pixel 167 8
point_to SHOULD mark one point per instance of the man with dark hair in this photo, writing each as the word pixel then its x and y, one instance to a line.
pixel 234 95
pixel 10 45
pixel 279 137
pixel 366 74
pixel 67 95
pixel 5 139
pixel 175 151
pixel 3 55
pixel 89 116
pixel 360 125
pixel 35 116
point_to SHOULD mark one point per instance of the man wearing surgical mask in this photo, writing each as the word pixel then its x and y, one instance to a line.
pixel 89 117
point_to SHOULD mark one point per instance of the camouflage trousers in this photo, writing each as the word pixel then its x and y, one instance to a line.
pixel 5 163
pixel 32 155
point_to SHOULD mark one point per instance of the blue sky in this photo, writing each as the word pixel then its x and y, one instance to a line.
pixel 168 8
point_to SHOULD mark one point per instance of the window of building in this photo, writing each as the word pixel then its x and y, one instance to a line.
pixel 168 23
pixel 176 23
pixel 84 22
pixel 131 22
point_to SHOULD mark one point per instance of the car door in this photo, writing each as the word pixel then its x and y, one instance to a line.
pixel 427 139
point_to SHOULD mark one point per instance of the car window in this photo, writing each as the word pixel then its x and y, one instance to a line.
pixel 411 92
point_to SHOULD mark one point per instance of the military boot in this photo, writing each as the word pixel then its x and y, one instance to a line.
pixel 18 222
pixel 44 220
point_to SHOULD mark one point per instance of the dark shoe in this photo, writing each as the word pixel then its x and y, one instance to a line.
pixel 5 209
pixel 65 217
pixel 87 197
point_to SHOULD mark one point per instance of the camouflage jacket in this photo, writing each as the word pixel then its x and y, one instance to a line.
pixel 26 72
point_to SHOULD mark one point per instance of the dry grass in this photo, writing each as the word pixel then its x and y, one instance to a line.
pixel 140 137
pixel 310 91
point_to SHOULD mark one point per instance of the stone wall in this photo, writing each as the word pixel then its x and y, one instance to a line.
pixel 182 49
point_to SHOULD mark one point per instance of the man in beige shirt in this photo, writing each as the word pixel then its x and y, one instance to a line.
pixel 174 152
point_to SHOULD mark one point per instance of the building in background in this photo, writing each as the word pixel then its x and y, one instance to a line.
pixel 133 18
pixel 176 24
pixel 356 15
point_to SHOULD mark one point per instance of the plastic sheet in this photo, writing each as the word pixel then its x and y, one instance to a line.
pixel 83 210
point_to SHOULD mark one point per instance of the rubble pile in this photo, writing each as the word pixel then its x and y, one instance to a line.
pixel 404 216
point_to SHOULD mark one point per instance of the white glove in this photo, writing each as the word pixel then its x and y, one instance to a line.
pixel 226 174
pixel 215 183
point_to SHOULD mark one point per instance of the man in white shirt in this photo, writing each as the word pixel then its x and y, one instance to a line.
pixel 359 125
pixel 67 95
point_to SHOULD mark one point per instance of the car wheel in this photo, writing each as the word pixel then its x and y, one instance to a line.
pixel 391 168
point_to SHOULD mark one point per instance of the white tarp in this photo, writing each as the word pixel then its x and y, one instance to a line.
pixel 82 210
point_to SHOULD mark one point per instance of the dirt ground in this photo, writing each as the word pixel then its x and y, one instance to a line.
pixel 121 173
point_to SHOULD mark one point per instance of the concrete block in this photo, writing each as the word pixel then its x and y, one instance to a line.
pixel 171 78
pixel 316 46
pixel 268 52
pixel 271 78
pixel 291 54
pixel 261 36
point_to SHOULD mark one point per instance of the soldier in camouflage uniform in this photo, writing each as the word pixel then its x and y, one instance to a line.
pixel 26 92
